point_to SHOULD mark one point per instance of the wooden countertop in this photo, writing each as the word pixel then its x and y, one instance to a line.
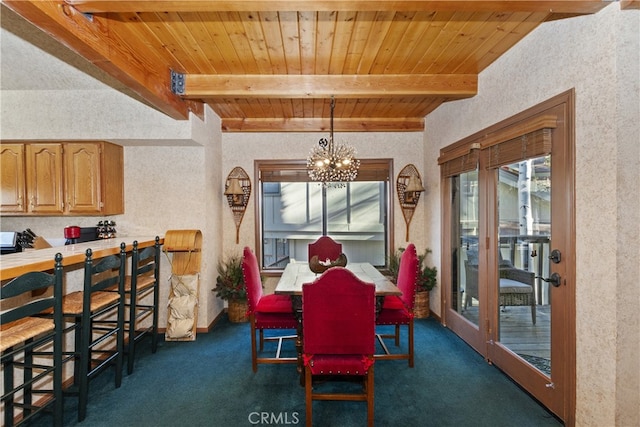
pixel 13 265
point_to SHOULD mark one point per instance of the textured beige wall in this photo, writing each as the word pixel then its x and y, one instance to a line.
pixel 85 114
pixel 628 219
pixel 169 188
pixel 596 55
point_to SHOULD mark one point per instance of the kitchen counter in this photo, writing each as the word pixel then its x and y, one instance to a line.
pixel 13 265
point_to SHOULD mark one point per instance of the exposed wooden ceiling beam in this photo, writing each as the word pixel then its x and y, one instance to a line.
pixel 109 48
pixel 630 4
pixel 278 124
pixel 457 86
pixel 554 6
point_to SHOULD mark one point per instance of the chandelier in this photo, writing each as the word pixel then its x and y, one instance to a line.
pixel 331 164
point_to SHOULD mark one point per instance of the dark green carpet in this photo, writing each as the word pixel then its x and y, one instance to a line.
pixel 209 382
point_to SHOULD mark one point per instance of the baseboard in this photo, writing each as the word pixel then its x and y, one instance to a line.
pixel 202 330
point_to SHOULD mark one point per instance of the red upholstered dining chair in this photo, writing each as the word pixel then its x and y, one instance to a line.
pixel 265 312
pixel 325 247
pixel 338 323
pixel 398 310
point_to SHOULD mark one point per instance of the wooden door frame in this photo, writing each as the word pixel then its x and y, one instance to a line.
pixel 565 101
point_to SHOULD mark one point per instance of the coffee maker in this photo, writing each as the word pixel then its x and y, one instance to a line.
pixel 75 234
pixel 71 234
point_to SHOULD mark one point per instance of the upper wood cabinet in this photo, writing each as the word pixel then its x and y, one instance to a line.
pixel 75 178
pixel 13 180
pixel 44 179
pixel 94 178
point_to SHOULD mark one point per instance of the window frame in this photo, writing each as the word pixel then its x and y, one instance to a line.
pixel 296 170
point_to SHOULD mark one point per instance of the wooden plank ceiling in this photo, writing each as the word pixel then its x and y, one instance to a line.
pixel 273 65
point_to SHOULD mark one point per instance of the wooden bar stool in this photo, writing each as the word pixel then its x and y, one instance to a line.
pixel 98 320
pixel 32 344
pixel 140 287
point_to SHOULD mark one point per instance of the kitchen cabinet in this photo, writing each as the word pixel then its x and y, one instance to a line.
pixel 44 179
pixel 13 178
pixel 31 178
pixel 94 178
pixel 66 178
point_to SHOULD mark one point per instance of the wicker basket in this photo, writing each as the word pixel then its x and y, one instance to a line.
pixel 421 306
pixel 237 311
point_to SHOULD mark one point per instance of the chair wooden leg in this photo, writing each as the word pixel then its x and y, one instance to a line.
pixel 410 332
pixel 120 344
pixel 261 339
pixel 308 386
pixel 131 344
pixel 254 353
pixel 397 337
pixel 154 329
pixel 7 368
pixel 370 395
pixel 27 377
pixel 83 370
pixel 58 404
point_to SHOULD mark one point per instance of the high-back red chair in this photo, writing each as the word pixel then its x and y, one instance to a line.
pixel 265 312
pixel 325 247
pixel 398 310
pixel 338 323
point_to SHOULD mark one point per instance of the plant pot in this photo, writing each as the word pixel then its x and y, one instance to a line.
pixel 237 311
pixel 421 306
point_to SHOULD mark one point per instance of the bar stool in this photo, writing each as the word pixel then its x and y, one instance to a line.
pixel 141 284
pixel 28 342
pixel 98 320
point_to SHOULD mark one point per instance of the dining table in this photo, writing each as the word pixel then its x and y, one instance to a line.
pixel 297 273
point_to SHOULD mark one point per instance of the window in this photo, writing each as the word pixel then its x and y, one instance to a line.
pixel 295 211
